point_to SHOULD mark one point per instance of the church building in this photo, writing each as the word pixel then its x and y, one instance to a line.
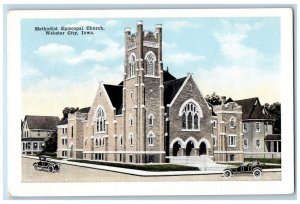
pixel 151 116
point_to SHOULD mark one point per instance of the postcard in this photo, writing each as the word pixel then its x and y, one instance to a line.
pixel 150 102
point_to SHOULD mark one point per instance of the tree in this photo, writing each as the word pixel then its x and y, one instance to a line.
pixel 213 99
pixel 50 146
pixel 275 110
pixel 68 110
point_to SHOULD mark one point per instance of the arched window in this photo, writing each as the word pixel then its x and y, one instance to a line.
pixel 121 140
pixel 85 142
pixel 232 122
pixel 151 119
pixel 150 137
pixel 190 117
pixel 100 141
pixel 132 66
pixel 150 63
pixel 214 124
pixel 100 120
pixel 72 131
pixel 131 139
pixel 96 141
pixel 130 120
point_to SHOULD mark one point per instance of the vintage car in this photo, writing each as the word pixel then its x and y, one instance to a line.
pixel 45 163
pixel 255 168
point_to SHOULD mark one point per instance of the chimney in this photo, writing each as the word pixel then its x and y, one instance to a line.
pixel 223 100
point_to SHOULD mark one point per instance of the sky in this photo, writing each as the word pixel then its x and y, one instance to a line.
pixel 236 57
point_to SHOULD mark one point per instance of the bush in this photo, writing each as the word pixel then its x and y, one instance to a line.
pixel 154 167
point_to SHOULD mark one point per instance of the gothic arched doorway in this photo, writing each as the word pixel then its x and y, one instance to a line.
pixel 202 149
pixel 176 148
pixel 189 147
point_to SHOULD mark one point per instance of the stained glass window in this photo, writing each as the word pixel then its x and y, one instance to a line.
pixel 132 66
pixel 100 120
pixel 150 64
pixel 190 117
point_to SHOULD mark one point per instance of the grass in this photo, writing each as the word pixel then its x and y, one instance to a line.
pixel 264 160
pixel 154 167
pixel 263 165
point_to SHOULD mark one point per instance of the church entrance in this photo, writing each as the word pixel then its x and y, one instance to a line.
pixel 176 148
pixel 202 149
pixel 189 147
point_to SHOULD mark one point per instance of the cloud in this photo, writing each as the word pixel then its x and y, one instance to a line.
pixel 182 58
pixel 111 23
pixel 50 96
pixel 111 75
pixel 179 25
pixel 58 52
pixel 54 49
pixel 111 51
pixel 29 71
pixel 232 45
pixel 239 82
pixel 246 72
pixel 168 45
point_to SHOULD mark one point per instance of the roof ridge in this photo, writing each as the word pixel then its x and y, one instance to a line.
pixel 111 85
pixel 247 99
pixel 41 116
pixel 175 79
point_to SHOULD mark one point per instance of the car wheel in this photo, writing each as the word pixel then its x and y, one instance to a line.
pixel 227 173
pixel 35 166
pixel 257 173
pixel 51 169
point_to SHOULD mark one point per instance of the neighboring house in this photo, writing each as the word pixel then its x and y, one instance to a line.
pixel 35 131
pixel 150 116
pixel 258 137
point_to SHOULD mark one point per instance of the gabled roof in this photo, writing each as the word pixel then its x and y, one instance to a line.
pixel 42 122
pixel 168 76
pixel 115 94
pixel 252 109
pixel 212 109
pixel 171 88
pixel 84 110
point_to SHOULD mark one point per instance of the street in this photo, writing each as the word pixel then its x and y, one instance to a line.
pixel 70 173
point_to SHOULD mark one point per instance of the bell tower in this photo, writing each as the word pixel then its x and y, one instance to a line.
pixel 143 107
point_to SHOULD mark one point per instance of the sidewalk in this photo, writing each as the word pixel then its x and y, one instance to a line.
pixel 139 172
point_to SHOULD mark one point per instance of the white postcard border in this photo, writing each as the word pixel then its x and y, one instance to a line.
pixel 17 188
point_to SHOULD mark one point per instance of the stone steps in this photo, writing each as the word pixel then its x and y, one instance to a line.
pixel 203 162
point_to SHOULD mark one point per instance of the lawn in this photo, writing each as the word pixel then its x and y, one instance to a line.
pixel 152 167
pixel 264 160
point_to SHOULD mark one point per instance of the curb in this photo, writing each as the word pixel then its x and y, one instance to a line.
pixel 140 172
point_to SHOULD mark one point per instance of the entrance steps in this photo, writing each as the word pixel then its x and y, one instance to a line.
pixel 203 162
